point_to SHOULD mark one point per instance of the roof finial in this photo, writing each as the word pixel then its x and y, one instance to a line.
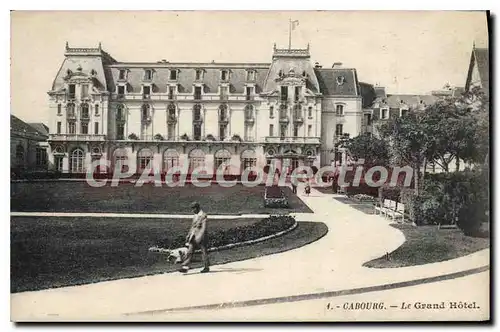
pixel 100 46
pixel 67 45
pixel 274 47
pixel 308 46
pixel 473 44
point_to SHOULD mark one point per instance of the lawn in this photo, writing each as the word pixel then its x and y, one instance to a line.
pixel 51 252
pixel 428 244
pixel 127 198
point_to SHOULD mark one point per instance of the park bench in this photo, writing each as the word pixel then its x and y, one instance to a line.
pixel 382 208
pixel 397 212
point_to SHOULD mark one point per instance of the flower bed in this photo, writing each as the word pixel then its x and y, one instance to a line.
pixel 275 198
pixel 262 228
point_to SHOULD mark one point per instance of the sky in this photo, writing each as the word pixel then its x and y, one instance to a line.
pixel 406 52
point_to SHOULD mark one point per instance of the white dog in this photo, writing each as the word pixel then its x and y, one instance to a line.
pixel 175 256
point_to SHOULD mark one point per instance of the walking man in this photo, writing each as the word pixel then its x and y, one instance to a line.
pixel 197 238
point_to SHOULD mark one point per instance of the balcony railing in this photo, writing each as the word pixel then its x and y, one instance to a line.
pixel 71 116
pixel 284 117
pixel 298 118
pixel 76 137
pixel 224 97
pixel 183 97
pixel 146 96
pixel 249 97
pixel 84 117
pixel 71 96
pixel 286 139
pixel 171 96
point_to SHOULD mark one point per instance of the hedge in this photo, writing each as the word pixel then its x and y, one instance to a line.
pixel 262 228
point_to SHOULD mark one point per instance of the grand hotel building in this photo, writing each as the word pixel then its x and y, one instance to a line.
pixel 289 111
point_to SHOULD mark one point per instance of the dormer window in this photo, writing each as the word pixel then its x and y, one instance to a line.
pixel 251 75
pixel 85 91
pixel 340 80
pixel 173 74
pixel 146 92
pixel 148 75
pixel 123 74
pixel 71 91
pixel 384 113
pixel 403 112
pixel 224 75
pixel 199 75
pixel 121 91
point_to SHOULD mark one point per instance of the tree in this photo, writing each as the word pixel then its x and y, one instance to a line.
pixel 373 150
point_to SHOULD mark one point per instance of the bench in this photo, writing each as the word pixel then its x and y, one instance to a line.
pixel 386 205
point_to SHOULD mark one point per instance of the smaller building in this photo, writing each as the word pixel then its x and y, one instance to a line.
pixel 28 146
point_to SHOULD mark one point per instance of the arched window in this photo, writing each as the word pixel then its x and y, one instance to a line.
pixel 76 161
pixel 20 156
pixel 248 159
pixel 120 160
pixel 170 159
pixel 85 111
pixel 222 157
pixel 196 159
pixel 144 160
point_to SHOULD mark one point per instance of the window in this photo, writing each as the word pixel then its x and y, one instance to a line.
pixel 145 112
pixel 84 128
pixel 171 131
pixel 20 156
pixel 222 131
pixel 122 74
pixel 59 163
pixel 197 113
pixel 41 157
pixel 310 112
pixel 72 128
pixel 120 131
pixel 339 109
pixel 171 112
pixel 199 75
pixel 223 113
pixel 170 159
pixel 250 75
pixel 403 112
pixel 249 132
pixel 283 111
pixel 297 112
pixel 249 159
pixel 85 91
pixel 148 75
pixel 121 91
pixel 171 92
pixel 197 132
pixel 339 129
pixel 59 109
pixel 119 113
pixel 296 131
pixel 384 113
pixel 146 92
pixel 96 109
pixel 71 91
pixel 249 92
pixel 368 119
pixel 96 128
pixel 297 93
pixel 76 161
pixel 249 112
pixel 120 160
pixel 70 110
pixel 144 160
pixel 173 74
pixel 196 159
pixel 222 157
pixel 271 130
pixel 271 112
pixel 284 93
pixel 197 92
pixel 283 130
pixel 224 76
pixel 59 127
pixel 85 111
pixel 309 130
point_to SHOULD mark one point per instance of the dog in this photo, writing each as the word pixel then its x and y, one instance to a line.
pixel 175 256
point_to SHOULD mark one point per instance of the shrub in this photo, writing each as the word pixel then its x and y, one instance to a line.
pixel 159 137
pixel 210 137
pixel 237 138
pixel 133 136
pixel 275 198
pixel 185 137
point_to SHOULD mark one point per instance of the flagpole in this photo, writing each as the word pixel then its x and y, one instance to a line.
pixel 290 35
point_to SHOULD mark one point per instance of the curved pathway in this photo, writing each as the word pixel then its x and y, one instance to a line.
pixel 326 268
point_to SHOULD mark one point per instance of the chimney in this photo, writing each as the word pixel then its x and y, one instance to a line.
pixel 317 65
pixel 337 65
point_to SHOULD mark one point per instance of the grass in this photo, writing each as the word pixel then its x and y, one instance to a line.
pixel 428 244
pixel 126 198
pixel 55 252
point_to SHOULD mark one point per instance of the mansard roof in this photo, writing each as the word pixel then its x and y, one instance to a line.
pixel 18 126
pixel 338 81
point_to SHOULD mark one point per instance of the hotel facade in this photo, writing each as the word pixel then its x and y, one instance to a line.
pixel 286 113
